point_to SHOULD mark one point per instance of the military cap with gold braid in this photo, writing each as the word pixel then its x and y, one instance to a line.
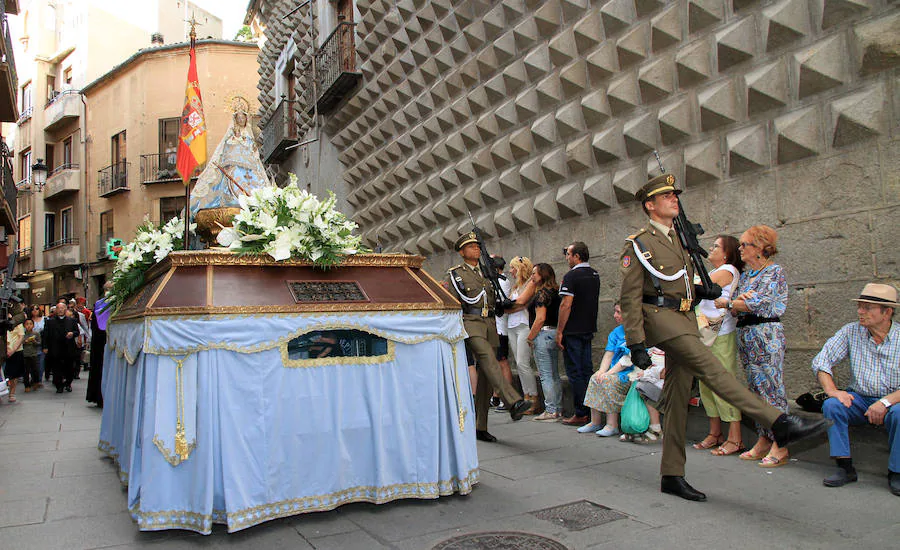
pixel 465 239
pixel 662 183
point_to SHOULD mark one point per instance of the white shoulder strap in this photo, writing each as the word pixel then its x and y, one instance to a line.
pixel 649 267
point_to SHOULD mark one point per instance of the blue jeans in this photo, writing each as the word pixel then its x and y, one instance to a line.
pixel 545 357
pixel 579 367
pixel 843 417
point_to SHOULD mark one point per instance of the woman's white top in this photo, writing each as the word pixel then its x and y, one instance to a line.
pixel 518 318
pixel 708 307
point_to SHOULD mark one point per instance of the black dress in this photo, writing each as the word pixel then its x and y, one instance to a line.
pixel 95 375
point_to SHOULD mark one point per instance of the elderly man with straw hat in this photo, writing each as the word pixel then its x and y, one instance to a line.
pixel 873 345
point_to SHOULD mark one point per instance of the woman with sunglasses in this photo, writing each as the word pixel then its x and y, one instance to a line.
pixel 518 327
pixel 762 295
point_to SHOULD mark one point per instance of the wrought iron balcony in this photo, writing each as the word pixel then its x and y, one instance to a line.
pixel 159 168
pixel 335 68
pixel 113 179
pixel 279 133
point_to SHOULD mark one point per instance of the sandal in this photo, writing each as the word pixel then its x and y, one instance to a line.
pixel 748 455
pixel 705 444
pixel 737 447
pixel 770 461
pixel 12 398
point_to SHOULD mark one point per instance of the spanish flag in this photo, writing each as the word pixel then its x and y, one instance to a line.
pixel 192 141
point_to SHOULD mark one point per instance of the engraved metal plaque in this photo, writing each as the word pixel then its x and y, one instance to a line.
pixel 326 291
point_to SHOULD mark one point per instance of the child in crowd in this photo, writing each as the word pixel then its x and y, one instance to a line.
pixel 31 345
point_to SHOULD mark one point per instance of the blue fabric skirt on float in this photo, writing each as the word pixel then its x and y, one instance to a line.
pixel 240 419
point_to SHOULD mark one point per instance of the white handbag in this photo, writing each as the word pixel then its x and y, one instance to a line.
pixel 4 387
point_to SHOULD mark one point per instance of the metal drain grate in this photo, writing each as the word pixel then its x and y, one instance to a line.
pixel 579 515
pixel 500 540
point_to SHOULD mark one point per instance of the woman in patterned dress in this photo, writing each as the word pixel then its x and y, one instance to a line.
pixel 761 301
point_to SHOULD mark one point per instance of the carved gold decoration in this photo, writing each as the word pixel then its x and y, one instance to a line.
pixel 211 220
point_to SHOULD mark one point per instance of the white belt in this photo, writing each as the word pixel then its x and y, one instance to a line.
pixel 548 328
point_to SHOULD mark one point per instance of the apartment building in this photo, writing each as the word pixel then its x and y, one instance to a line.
pixel 61 46
pixel 134 123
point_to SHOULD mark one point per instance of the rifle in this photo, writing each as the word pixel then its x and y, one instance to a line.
pixel 489 270
pixel 688 232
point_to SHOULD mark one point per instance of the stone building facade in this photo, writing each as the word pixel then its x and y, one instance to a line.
pixel 540 118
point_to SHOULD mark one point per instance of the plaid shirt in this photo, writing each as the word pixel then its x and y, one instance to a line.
pixel 874 368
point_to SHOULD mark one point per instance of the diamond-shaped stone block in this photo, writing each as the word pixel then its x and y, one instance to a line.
pixel 545 209
pixel 623 94
pixel 799 135
pixel 785 22
pixel 641 135
pixel 666 28
pixel 597 193
pixel 703 13
pixel 835 12
pixel 676 121
pixel 821 66
pixel 609 145
pixel 736 43
pixel 767 87
pixel 656 80
pixel 595 108
pixel 859 116
pixel 878 44
pixel 627 182
pixel 588 32
pixel 569 201
pixel 692 63
pixel 748 149
pixel 718 105
pixel 633 47
pixel 602 63
pixel 579 154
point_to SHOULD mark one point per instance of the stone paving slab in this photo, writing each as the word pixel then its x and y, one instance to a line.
pixel 23 512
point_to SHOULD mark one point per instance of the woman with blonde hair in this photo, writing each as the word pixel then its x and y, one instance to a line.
pixel 520 269
pixel 761 300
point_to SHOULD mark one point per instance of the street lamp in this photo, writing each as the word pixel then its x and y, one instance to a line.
pixel 39 174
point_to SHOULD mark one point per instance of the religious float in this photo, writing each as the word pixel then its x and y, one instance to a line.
pixel 283 372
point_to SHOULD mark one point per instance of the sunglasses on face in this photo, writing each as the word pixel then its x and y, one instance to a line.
pixel 745 245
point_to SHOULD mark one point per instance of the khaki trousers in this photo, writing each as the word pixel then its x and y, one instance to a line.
pixel 489 377
pixel 687 358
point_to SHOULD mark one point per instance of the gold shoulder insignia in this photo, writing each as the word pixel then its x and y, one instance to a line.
pixel 631 237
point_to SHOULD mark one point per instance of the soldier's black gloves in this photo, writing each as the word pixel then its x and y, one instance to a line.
pixel 639 356
pixel 503 305
pixel 712 293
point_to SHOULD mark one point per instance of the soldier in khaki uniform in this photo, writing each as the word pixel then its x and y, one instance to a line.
pixel 657 299
pixel 476 295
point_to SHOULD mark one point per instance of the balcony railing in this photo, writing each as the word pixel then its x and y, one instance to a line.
pixel 24 252
pixel 25 116
pixel 159 168
pixel 23 184
pixel 113 179
pixel 280 132
pixel 335 67
pixel 61 242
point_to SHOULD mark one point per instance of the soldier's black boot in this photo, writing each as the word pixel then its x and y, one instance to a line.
pixel 791 429
pixel 676 485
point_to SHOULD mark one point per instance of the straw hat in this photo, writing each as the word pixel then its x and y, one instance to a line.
pixel 875 293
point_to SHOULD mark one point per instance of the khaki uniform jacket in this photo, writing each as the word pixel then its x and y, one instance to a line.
pixel 648 323
pixel 471 283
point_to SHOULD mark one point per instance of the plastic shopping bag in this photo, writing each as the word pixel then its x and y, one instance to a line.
pixel 635 418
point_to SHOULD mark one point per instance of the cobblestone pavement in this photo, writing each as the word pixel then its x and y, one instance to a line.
pixel 58 491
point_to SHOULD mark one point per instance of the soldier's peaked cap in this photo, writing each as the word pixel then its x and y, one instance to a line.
pixel 662 183
pixel 465 239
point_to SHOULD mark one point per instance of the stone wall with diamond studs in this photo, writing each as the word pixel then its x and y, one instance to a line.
pixel 540 118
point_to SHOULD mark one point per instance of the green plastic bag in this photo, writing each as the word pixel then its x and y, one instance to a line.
pixel 635 418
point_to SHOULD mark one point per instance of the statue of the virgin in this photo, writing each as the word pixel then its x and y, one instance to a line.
pixel 234 169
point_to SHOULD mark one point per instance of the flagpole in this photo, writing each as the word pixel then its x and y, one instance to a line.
pixel 187 184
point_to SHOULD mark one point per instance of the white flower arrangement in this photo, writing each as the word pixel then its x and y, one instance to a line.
pixel 150 245
pixel 291 223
